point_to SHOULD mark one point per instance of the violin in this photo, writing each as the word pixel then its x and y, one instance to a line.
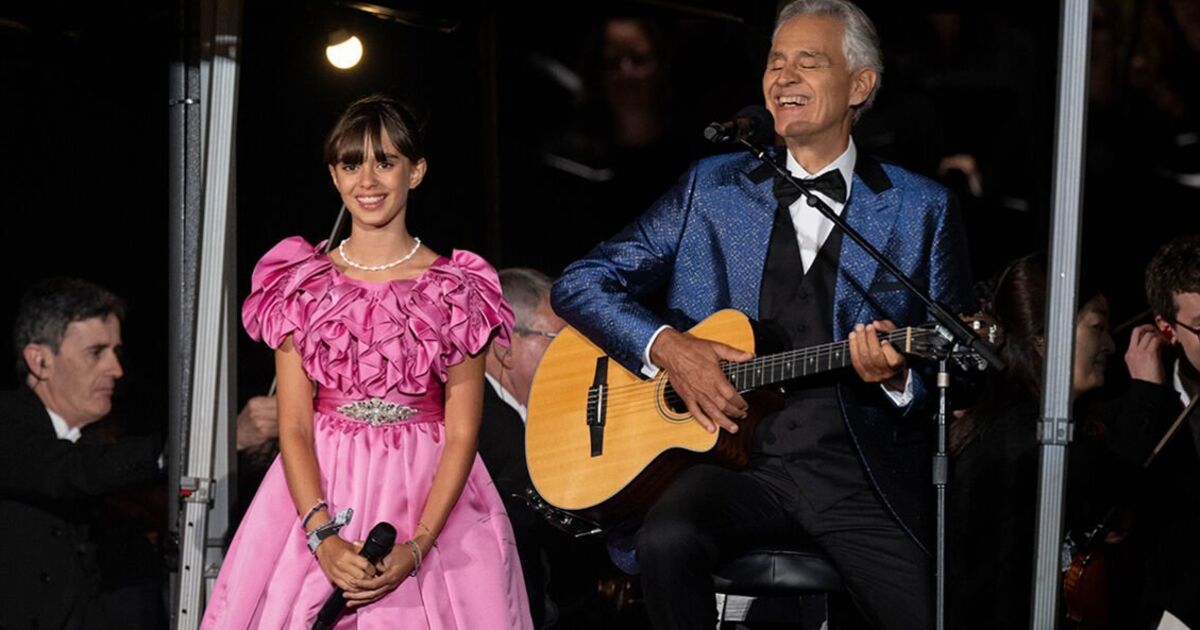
pixel 1084 581
pixel 1093 591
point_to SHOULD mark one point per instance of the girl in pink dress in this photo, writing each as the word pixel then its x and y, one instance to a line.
pixel 378 358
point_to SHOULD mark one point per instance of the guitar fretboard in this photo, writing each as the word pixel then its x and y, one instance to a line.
pixel 785 366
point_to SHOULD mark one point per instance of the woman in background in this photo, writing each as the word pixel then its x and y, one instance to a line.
pixel 993 490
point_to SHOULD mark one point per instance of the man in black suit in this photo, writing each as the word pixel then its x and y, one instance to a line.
pixel 509 372
pixel 1158 391
pixel 68 336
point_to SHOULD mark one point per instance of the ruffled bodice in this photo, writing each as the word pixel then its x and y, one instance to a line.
pixel 367 339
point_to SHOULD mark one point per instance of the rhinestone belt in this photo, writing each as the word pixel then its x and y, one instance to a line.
pixel 376 411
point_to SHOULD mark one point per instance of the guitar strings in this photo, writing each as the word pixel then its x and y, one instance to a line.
pixel 820 355
pixel 621 398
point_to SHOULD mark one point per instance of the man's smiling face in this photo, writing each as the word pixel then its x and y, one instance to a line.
pixel 808 86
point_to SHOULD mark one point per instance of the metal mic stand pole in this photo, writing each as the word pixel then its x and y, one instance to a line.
pixel 941 478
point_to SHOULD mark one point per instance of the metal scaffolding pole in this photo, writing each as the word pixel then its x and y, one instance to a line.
pixel 203 262
pixel 1055 430
pixel 186 170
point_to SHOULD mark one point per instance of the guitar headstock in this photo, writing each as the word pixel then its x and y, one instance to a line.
pixel 986 327
pixel 933 341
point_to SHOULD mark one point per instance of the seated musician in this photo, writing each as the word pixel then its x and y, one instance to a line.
pixel 846 461
pixel 1172 593
pixel 509 372
pixel 993 484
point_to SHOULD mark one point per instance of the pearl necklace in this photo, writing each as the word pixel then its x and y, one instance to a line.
pixel 384 267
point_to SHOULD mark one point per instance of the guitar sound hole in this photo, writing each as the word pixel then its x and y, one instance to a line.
pixel 673 401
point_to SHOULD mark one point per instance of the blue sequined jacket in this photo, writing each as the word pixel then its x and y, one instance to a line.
pixel 706 242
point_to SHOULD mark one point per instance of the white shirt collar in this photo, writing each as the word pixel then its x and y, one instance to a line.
pixel 844 163
pixel 1177 382
pixel 62 429
pixel 505 396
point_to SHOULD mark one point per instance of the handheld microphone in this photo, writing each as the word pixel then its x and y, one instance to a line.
pixel 753 123
pixel 379 542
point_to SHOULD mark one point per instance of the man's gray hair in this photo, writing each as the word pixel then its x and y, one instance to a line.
pixel 860 41
pixel 51 305
pixel 524 289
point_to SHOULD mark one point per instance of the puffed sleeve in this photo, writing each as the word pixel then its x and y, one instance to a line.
pixel 475 310
pixel 275 307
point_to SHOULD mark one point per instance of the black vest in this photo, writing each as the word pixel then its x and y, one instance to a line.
pixel 796 311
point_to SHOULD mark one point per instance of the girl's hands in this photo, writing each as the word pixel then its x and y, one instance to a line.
pixel 341 563
pixel 393 569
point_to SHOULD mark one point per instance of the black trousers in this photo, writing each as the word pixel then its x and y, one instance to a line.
pixel 710 515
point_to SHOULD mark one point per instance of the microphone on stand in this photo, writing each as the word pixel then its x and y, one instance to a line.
pixel 753 124
pixel 379 542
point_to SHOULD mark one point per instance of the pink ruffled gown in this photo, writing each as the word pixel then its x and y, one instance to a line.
pixel 393 341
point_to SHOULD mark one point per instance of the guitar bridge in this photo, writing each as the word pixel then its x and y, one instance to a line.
pixel 597 406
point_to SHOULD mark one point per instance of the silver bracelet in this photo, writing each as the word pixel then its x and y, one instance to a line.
pixel 416 552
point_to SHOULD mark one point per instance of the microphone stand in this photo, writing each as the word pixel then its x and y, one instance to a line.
pixel 948 325
pixel 958 331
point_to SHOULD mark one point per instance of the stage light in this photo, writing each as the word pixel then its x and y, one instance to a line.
pixel 344 50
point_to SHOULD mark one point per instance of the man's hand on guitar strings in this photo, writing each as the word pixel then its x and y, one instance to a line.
pixel 876 361
pixel 694 371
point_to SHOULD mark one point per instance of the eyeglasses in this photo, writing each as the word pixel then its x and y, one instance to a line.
pixel 1193 329
pixel 529 332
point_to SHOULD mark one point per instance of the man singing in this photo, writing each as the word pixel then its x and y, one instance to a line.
pixel 846 461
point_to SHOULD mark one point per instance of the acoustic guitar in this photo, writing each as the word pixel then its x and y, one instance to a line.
pixel 602 441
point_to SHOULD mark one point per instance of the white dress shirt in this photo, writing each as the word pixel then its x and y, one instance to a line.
pixel 1177 384
pixel 812 227
pixel 506 397
pixel 62 429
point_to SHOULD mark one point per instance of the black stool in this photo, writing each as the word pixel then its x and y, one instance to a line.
pixel 783 570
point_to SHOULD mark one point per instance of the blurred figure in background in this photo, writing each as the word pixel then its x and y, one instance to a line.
pixel 509 373
pixel 993 490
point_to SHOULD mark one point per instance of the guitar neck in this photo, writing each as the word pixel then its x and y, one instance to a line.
pixel 785 366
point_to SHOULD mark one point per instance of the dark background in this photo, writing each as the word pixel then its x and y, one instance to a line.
pixel 83 137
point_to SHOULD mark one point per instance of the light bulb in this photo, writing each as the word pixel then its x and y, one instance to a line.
pixel 345 54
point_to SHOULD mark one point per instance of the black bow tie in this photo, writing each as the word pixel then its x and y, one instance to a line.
pixel 831 184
